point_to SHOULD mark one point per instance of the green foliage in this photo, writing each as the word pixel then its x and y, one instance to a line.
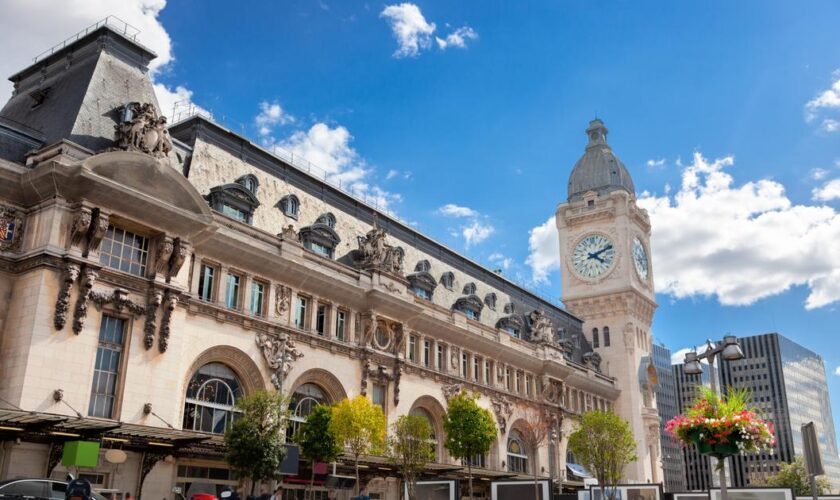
pixel 604 444
pixel 410 448
pixel 255 441
pixel 316 439
pixel 794 475
pixel 470 429
pixel 360 426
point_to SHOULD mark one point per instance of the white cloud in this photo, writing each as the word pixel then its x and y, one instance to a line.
pixel 457 38
pixel 544 251
pixel 391 174
pixel 653 164
pixel 500 260
pixel 837 371
pixel 452 210
pixel 271 115
pixel 28 27
pixel 819 174
pixel 678 357
pixel 828 99
pixel 476 232
pixel 830 191
pixel 332 157
pixel 412 31
pixel 739 244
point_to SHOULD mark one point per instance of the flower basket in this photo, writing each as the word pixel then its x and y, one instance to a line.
pixel 722 427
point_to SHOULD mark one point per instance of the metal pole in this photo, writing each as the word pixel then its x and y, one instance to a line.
pixel 722 461
pixel 813 486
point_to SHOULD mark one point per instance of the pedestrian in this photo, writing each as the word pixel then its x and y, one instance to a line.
pixel 128 496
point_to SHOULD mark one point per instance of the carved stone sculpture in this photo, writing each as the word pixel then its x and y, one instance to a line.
pixel 374 253
pixel 165 247
pixel 97 231
pixel 79 230
pixel 282 299
pixel 88 279
pixel 502 409
pixel 450 390
pixel 553 391
pixel 397 377
pixel 62 304
pixel 279 353
pixel 288 233
pixel 370 324
pixel 155 299
pixel 141 129
pixel 119 298
pixel 541 329
pixel 179 256
pixel 11 228
pixel 170 300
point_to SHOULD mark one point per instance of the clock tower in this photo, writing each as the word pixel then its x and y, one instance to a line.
pixel 607 280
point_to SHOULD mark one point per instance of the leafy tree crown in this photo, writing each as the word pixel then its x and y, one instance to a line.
pixel 470 429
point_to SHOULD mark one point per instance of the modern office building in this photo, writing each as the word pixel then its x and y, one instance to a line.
pixel 788 384
pixel 698 471
pixel 152 275
pixel 668 404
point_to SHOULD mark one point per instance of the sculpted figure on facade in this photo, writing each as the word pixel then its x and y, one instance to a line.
pixel 170 300
pixel 282 299
pixel 279 353
pixel 374 253
pixel 80 315
pixel 179 256
pixel 541 329
pixel 552 391
pixel 155 300
pixel 288 233
pixel 80 227
pixel 165 247
pixel 450 390
pixel 503 409
pixel 141 129
pixel 62 304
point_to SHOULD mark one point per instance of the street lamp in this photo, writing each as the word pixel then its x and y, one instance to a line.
pixel 729 350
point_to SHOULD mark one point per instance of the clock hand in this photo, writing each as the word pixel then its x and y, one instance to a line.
pixel 608 247
pixel 595 256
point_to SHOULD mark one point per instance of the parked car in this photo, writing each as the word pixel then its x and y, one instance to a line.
pixel 53 489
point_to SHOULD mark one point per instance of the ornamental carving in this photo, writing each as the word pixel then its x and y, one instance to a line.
pixel 282 299
pixel 503 409
pixel 375 254
pixel 80 314
pixel 165 247
pixel 288 233
pixel 62 304
pixel 451 390
pixel 11 228
pixel 87 230
pixel 170 300
pixel 397 377
pixel 179 256
pixel 379 374
pixel 592 360
pixel 80 227
pixel 141 129
pixel 542 332
pixel 155 299
pixel 279 353
pixel 553 391
pixel 97 231
pixel 119 299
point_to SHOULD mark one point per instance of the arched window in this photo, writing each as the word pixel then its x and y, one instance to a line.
pixel 422 267
pixel 595 341
pixel 447 279
pixel 211 396
pixel 290 205
pixel 305 398
pixel 327 219
pixel 249 182
pixel 469 289
pixel 422 412
pixel 490 300
pixel 517 456
pixel 606 336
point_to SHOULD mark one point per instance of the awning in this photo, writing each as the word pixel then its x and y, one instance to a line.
pixel 578 470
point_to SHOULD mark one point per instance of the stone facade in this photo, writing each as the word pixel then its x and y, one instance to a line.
pixel 118 233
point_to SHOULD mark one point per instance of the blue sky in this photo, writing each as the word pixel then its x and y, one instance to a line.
pixel 726 114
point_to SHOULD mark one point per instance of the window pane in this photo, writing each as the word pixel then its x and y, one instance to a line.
pixel 124 250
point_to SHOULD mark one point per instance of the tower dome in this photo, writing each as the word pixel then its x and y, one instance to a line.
pixel 598 169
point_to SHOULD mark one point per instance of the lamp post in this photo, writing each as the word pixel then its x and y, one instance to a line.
pixel 729 350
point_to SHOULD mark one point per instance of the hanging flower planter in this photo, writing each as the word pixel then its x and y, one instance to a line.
pixel 722 427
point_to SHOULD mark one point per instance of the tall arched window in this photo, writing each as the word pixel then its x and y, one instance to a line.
pixel 422 412
pixel 517 456
pixel 595 341
pixel 305 398
pixel 211 396
pixel 606 336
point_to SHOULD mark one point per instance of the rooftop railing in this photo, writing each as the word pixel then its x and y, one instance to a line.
pixel 112 22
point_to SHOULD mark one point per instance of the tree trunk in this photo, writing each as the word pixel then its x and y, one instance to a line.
pixel 536 484
pixel 469 474
pixel 311 481
pixel 253 485
pixel 358 486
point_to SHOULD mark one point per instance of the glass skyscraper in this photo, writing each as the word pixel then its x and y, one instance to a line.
pixel 668 406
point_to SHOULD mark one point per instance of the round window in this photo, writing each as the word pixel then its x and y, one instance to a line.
pixel 381 338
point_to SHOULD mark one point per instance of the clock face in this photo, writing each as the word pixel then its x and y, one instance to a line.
pixel 593 256
pixel 640 260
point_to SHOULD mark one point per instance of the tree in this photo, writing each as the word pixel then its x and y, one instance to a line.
pixel 255 440
pixel 470 430
pixel 360 425
pixel 316 439
pixel 410 448
pixel 535 430
pixel 794 475
pixel 604 444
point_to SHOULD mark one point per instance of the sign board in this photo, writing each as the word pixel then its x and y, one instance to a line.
pixel 80 454
pixel 290 464
pixel 811 450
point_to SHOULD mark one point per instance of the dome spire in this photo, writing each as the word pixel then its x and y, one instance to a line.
pixel 598 169
pixel 597 133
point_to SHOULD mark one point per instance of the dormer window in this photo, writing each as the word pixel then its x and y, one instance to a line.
pixel 422 282
pixel 490 301
pixel 510 308
pixel 511 324
pixel 469 289
pixel 233 200
pixel 290 205
pixel 249 182
pixel 447 279
pixel 470 306
pixel 321 237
